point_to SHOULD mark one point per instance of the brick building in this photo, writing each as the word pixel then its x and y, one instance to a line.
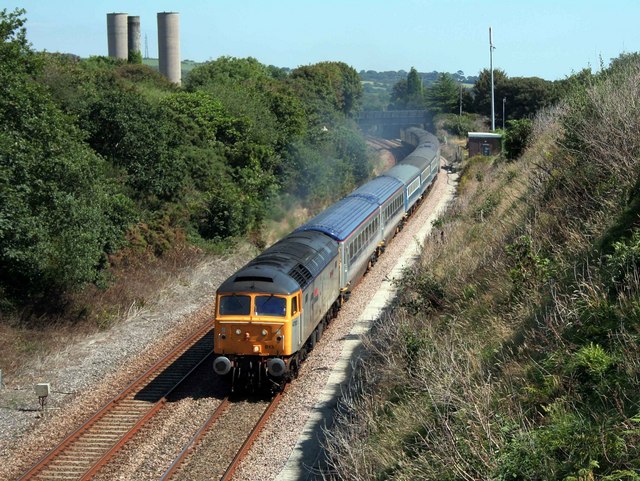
pixel 484 143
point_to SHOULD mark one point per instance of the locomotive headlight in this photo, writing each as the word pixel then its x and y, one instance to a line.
pixel 238 332
pixel 264 332
pixel 279 338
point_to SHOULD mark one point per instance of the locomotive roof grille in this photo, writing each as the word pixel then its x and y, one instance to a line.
pixel 301 275
pixel 253 279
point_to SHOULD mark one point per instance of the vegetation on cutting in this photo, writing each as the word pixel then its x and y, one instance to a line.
pixel 512 351
pixel 105 167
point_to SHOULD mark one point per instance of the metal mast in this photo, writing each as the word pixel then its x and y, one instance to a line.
pixel 493 109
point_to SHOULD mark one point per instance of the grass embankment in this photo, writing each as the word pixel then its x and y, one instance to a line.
pixel 512 351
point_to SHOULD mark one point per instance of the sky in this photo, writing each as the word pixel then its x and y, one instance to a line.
pixel 545 38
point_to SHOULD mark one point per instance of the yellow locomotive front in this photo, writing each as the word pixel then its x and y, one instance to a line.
pixel 262 326
pixel 255 315
pixel 255 324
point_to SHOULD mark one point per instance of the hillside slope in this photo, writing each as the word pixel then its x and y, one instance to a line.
pixel 513 351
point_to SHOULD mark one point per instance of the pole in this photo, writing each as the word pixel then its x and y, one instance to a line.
pixel 504 101
pixel 493 110
pixel 460 99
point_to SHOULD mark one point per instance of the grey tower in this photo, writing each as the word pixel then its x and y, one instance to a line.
pixel 134 34
pixel 169 46
pixel 117 35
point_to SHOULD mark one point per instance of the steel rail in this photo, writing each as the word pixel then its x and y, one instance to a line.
pixel 193 442
pixel 228 474
pixel 141 411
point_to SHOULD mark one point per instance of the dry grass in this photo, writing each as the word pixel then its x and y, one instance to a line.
pixel 423 366
pixel 512 352
pixel 135 280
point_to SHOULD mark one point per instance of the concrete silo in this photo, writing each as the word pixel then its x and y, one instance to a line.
pixel 133 36
pixel 117 35
pixel 169 45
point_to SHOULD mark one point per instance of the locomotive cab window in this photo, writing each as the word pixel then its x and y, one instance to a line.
pixel 234 305
pixel 270 306
pixel 294 305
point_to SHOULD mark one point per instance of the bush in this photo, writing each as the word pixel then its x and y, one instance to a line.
pixel 459 125
pixel 517 137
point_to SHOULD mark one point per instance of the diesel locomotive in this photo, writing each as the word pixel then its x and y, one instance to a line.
pixel 273 311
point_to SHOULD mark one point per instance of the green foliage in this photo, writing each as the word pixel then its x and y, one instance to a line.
pixel 444 95
pixel 459 125
pixel 489 204
pixel 524 95
pixel 481 91
pixel 414 83
pixel 97 155
pixel 529 266
pixel 414 345
pixel 516 137
pixel 135 57
pixel 136 136
pixel 623 263
pixel 408 94
pixel 424 293
pixel 593 359
pixel 327 89
pixel 225 70
pixel 202 118
pixel 55 219
pixel 226 214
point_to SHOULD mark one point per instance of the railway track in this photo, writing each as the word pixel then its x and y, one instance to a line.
pixel 84 452
pixel 383 144
pixel 224 433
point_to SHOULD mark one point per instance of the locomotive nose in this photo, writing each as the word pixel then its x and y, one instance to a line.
pixel 221 365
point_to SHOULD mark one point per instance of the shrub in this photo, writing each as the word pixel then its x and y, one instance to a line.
pixel 517 137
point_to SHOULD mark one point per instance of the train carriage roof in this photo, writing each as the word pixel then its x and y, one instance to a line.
pixel 420 157
pixel 420 136
pixel 403 172
pixel 379 189
pixel 342 218
pixel 285 267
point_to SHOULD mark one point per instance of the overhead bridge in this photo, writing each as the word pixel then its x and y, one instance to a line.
pixel 388 123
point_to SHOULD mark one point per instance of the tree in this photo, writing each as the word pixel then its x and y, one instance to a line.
pixel 408 94
pixel 526 95
pixel 414 84
pixel 482 90
pixel 398 95
pixel 517 136
pixel 227 70
pixel 329 86
pixel 59 214
pixel 444 95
